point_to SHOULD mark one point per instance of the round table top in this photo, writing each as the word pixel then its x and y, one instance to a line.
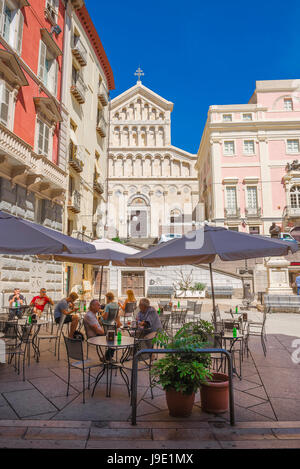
pixel 229 335
pixel 102 340
pixel 40 322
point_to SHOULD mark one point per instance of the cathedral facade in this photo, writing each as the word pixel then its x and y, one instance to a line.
pixel 152 185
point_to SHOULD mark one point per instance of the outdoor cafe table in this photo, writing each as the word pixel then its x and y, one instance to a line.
pixel 36 329
pixel 14 309
pixel 110 364
pixel 226 337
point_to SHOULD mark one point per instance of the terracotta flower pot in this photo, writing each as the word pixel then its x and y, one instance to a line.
pixel 215 394
pixel 179 405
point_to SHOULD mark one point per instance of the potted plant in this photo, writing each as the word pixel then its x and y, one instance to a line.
pixel 199 289
pixel 214 390
pixel 181 374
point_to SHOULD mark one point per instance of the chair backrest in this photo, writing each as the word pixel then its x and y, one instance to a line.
pixel 74 349
pixel 11 329
pixel 165 321
pixel 130 307
pixel 191 305
pixel 25 334
pixel 61 323
pixel 198 308
pixel 112 314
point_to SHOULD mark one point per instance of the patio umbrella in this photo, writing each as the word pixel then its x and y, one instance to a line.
pixel 19 236
pixel 203 245
pixel 107 252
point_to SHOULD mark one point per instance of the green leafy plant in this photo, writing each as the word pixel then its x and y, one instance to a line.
pixel 183 371
pixel 198 286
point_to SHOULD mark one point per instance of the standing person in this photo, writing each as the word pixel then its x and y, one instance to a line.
pixel 16 300
pixel 66 306
pixel 130 299
pixel 148 320
pixel 297 281
pixel 39 302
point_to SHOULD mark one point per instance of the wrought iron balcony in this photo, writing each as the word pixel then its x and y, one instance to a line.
pixel 253 212
pixel 74 202
pixel 78 89
pixel 79 51
pixel 76 158
pixel 101 126
pixel 98 186
pixel 292 212
pixel 231 213
pixel 102 95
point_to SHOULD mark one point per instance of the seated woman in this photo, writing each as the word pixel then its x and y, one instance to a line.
pixel 111 310
pixel 130 299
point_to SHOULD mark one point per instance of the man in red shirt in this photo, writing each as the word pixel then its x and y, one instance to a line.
pixel 39 302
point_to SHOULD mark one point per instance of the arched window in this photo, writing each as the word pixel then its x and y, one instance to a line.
pixel 175 216
pixel 295 197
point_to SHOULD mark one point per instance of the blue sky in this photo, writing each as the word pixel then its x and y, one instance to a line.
pixel 196 54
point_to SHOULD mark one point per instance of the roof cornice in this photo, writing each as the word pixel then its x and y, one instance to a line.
pixel 144 91
pixel 96 43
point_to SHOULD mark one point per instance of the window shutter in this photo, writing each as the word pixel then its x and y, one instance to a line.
pixel 42 60
pixel 40 136
pixel 53 77
pixel 46 140
pixel 19 33
pixel 4 104
pixel 1 15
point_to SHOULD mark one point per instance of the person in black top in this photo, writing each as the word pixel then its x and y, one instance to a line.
pixel 16 300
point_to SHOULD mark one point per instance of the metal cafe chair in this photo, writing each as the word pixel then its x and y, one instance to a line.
pixel 178 320
pixel 74 349
pixel 258 329
pixel 110 322
pixel 56 337
pixel 130 308
pixel 21 348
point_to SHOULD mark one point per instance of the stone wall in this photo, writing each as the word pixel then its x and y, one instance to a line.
pixel 28 272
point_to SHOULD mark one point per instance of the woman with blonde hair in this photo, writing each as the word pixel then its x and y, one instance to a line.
pixel 130 299
pixel 111 307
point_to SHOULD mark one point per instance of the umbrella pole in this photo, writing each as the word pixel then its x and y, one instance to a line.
pixel 100 290
pixel 212 292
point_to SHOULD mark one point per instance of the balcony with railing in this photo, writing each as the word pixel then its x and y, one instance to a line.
pixel 79 51
pixel 98 185
pixel 74 202
pixel 102 94
pixel 292 212
pixel 253 212
pixel 101 126
pixel 231 213
pixel 78 88
pixel 76 157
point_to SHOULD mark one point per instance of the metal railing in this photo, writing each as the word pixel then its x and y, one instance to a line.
pixel 253 211
pixel 134 381
pixel 75 200
pixel 79 85
pixel 102 94
pixel 292 211
pixel 78 49
pixel 234 212
pixel 101 125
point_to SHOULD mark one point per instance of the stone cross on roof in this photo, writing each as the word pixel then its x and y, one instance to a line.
pixel 139 73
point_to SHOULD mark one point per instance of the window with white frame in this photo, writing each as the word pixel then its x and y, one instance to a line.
pixel 247 117
pixel 5 104
pixel 288 104
pixel 249 147
pixel 51 10
pixel 229 147
pixel 11 24
pixel 48 68
pixel 43 138
pixel 252 200
pixel 227 117
pixel 231 201
pixel 295 197
pixel 292 146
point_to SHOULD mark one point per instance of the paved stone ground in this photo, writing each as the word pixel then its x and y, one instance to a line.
pixel 37 413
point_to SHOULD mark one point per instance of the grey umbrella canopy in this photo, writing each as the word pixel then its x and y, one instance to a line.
pixel 98 257
pixel 19 236
pixel 203 245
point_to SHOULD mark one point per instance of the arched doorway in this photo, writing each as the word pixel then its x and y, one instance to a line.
pixel 138 215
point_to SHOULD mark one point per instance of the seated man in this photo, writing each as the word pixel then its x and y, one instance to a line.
pixel 66 306
pixel 39 302
pixel 16 300
pixel 91 322
pixel 148 320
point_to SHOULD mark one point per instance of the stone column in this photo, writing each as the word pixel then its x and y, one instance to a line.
pixel 278 276
pixel 217 188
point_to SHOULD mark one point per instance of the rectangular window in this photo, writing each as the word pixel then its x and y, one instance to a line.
pixel 254 230
pixel 288 104
pixel 11 21
pixel 231 202
pixel 249 148
pixel 48 68
pixel 251 198
pixel 227 117
pixel 51 10
pixel 43 138
pixel 229 148
pixel 247 117
pixel 4 104
pixel 292 146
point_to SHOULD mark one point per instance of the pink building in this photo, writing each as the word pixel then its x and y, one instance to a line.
pixel 247 160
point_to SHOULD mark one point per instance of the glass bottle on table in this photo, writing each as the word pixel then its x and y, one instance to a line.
pixel 119 336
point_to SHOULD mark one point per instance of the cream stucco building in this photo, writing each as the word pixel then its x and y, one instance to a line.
pixel 152 186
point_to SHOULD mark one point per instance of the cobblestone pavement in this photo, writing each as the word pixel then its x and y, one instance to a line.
pixel 37 413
